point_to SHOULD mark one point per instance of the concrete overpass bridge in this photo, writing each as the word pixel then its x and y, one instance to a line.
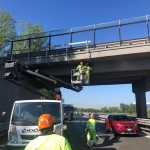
pixel 119 54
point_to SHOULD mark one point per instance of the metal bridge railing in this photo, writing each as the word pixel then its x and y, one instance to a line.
pixel 109 34
pixel 61 49
pixel 67 50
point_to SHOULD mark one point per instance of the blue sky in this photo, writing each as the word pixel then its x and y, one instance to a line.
pixel 63 14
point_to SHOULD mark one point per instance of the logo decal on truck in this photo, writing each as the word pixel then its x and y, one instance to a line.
pixel 30 130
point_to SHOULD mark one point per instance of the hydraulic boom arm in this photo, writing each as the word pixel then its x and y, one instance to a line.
pixel 19 73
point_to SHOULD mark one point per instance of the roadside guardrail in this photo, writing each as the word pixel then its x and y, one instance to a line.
pixel 144 124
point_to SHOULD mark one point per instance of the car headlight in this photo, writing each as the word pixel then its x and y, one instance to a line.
pixel 12 135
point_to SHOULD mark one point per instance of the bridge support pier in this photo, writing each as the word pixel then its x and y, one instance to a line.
pixel 141 104
pixel 139 88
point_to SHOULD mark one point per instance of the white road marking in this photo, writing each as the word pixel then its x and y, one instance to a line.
pixel 147 136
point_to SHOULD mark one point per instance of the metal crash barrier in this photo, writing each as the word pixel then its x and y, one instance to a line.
pixel 144 124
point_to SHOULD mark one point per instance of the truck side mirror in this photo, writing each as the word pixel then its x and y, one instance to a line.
pixel 3 114
pixel 65 127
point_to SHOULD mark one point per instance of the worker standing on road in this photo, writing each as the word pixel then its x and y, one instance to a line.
pixel 91 131
pixel 48 140
pixel 80 69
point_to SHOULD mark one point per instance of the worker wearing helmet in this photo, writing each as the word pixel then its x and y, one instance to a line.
pixel 91 131
pixel 80 69
pixel 58 95
pixel 48 140
pixel 88 69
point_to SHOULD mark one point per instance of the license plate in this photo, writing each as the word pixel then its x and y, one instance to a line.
pixel 128 129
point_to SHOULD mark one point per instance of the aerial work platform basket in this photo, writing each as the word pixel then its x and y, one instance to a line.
pixel 78 77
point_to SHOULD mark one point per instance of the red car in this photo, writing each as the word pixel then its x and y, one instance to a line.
pixel 121 124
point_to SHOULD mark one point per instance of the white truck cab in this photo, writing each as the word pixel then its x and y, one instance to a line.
pixel 24 119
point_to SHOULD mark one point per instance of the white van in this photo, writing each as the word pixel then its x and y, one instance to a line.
pixel 24 119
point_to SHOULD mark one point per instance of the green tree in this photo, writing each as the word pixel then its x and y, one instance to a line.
pixel 131 109
pixel 34 35
pixel 114 110
pixel 47 94
pixel 7 30
pixel 104 110
pixel 123 108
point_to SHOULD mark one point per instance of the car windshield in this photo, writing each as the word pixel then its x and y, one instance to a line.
pixel 120 118
pixel 28 113
pixel 68 109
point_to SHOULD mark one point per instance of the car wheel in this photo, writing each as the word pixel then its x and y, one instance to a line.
pixel 138 133
pixel 106 129
pixel 114 132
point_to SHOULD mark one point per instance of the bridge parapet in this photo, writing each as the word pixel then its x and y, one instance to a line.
pixel 103 37
pixel 129 47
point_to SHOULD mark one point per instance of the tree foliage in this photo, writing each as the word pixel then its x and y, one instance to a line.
pixel 87 110
pixel 7 30
pixel 30 31
pixel 110 110
pixel 124 108
pixel 48 94
pixel 27 31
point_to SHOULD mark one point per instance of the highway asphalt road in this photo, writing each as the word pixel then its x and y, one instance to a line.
pixel 76 135
pixel 77 138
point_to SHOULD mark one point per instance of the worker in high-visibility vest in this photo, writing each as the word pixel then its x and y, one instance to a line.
pixel 80 69
pixel 88 69
pixel 48 140
pixel 91 130
pixel 58 95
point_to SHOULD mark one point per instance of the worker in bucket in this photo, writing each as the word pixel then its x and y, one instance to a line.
pixel 88 69
pixel 91 131
pixel 48 140
pixel 80 69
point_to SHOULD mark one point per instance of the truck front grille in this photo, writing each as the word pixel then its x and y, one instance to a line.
pixel 29 137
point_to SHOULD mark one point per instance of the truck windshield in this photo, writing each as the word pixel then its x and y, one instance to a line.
pixel 68 109
pixel 27 114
